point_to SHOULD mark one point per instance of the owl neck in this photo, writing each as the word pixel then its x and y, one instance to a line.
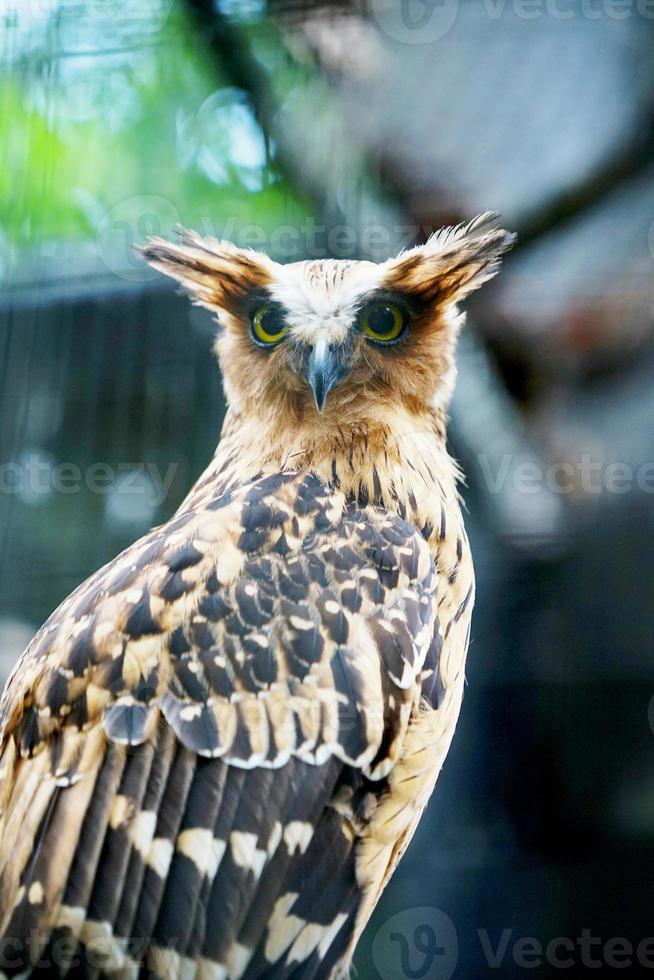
pixel 400 462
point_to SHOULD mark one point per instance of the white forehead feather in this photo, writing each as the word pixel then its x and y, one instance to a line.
pixel 323 295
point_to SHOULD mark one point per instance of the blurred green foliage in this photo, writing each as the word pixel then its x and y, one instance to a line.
pixel 114 124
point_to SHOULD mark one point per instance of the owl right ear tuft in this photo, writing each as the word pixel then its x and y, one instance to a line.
pixel 215 274
pixel 453 262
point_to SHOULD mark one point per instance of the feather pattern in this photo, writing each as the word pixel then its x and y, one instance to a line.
pixel 215 751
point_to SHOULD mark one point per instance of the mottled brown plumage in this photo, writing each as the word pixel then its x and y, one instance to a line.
pixel 216 750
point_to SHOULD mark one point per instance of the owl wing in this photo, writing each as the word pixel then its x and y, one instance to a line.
pixel 195 741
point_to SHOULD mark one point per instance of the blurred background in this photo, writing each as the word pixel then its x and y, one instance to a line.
pixel 349 130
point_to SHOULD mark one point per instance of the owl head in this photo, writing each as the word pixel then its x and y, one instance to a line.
pixel 329 341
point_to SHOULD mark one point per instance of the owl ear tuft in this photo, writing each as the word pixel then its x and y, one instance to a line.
pixel 216 274
pixel 453 262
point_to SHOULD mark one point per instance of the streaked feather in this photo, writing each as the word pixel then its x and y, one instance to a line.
pixel 215 751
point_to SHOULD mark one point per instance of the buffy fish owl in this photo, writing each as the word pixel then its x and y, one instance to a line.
pixel 215 752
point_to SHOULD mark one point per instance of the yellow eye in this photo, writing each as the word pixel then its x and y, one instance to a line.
pixel 267 326
pixel 383 322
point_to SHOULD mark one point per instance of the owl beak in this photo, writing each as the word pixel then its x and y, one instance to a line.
pixel 325 369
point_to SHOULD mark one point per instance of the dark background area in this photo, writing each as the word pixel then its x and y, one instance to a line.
pixel 349 130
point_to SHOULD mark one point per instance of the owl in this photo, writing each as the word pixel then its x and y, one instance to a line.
pixel 216 750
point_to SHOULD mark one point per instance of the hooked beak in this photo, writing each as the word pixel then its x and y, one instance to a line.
pixel 325 368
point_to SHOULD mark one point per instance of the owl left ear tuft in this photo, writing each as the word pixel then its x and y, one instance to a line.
pixel 216 274
pixel 453 262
